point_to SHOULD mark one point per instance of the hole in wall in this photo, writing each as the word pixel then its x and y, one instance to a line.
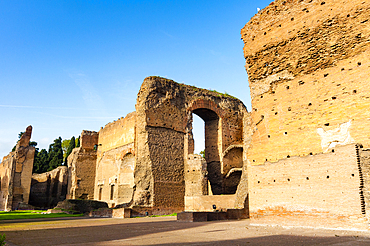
pixel 309 104
pixel 325 75
pixel 289 109
pixel 333 98
pixel 287 87
pixel 327 177
pixel 258 182
pixel 353 175
pixel 288 156
pixel 292 19
pixel 326 124
pixel 276 113
pixel 332 150
pixel 342 69
pixel 285 133
pixel 288 179
pixel 354 91
pixel 307 178
pixel 310 153
pixel 268 136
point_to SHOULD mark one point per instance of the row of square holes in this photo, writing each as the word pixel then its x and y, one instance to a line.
pixel 307 178
pixel 288 156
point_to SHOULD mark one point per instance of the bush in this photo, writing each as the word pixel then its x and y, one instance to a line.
pixel 2 240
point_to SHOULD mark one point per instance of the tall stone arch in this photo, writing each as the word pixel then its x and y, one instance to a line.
pixel 164 139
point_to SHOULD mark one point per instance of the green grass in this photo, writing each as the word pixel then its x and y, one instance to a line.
pixel 174 214
pixel 32 214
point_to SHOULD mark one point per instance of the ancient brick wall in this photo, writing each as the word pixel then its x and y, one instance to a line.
pixel 308 73
pixel 319 187
pixel 82 167
pixel 16 172
pixel 196 182
pixel 164 138
pixel 308 66
pixel 47 189
pixel 117 133
pixel 114 181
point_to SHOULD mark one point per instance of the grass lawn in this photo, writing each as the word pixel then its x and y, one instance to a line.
pixel 32 214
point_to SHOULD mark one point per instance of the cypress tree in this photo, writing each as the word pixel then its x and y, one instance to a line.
pixel 55 154
pixel 78 142
pixel 71 146
pixel 41 162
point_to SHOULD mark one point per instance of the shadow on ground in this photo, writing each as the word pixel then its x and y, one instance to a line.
pixel 282 240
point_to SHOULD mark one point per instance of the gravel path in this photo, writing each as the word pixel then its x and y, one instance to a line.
pixel 167 231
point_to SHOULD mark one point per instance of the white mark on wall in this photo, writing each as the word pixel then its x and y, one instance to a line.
pixel 337 136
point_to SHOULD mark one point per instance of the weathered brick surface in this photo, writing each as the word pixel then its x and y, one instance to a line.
pixel 308 66
pixel 117 133
pixel 324 185
pixel 16 172
pixel 81 167
pixel 49 188
pixel 308 69
pixel 164 138
pixel 114 180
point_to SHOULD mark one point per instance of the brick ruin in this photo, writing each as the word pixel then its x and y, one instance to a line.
pixel 308 68
pixel 15 174
pixel 81 167
pixel 49 188
pixel 300 157
pixel 142 159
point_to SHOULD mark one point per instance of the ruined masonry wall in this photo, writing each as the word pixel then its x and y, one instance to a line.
pixel 114 181
pixel 324 186
pixel 16 172
pixel 164 138
pixel 115 168
pixel 308 67
pixel 82 167
pixel 49 188
pixel 117 133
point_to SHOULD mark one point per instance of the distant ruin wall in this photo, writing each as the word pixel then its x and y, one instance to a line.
pixel 114 181
pixel 325 186
pixel 164 138
pixel 117 133
pixel 308 67
pixel 82 167
pixel 47 189
pixel 16 172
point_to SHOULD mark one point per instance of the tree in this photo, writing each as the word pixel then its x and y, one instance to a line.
pixel 203 154
pixel 78 142
pixel 71 146
pixel 55 154
pixel 65 144
pixel 41 161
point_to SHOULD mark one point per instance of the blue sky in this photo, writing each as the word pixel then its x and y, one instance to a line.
pixel 68 66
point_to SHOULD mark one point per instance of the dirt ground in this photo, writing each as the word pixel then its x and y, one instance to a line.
pixel 167 231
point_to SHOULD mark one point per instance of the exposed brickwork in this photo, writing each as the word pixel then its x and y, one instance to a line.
pixel 307 64
pixel 47 189
pixel 15 174
pixel 324 185
pixel 114 180
pixel 81 167
pixel 164 138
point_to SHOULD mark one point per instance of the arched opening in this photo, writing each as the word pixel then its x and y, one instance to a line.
pixel 211 147
pixel 232 164
pixel 198 135
pixel 126 179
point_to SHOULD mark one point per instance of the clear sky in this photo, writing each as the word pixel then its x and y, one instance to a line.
pixel 68 66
